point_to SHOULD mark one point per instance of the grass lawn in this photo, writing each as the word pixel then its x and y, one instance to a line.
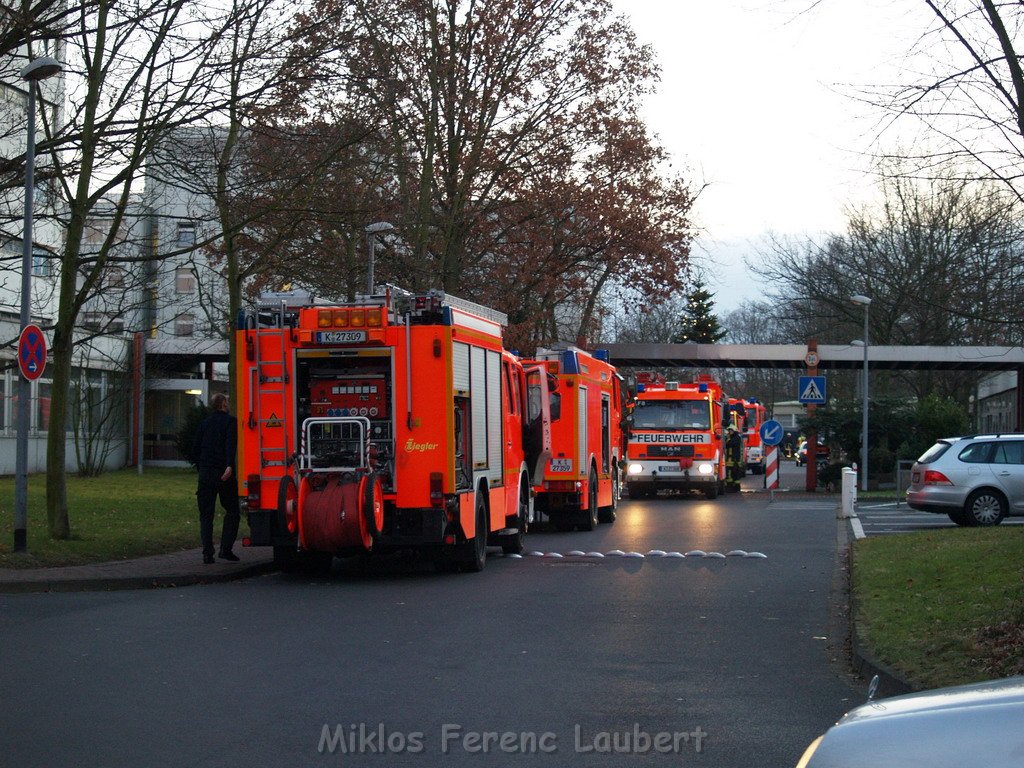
pixel 115 516
pixel 943 607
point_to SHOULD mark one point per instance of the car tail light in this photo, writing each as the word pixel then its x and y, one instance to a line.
pixel 323 318
pixel 340 318
pixel 252 497
pixel 934 477
pixel 373 318
pixel 436 489
pixel 358 318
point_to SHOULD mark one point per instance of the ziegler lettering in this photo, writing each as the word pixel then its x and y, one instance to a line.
pixel 681 438
pixel 413 447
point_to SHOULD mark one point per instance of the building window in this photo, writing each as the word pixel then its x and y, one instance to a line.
pixel 43 388
pixel 3 399
pixel 92 321
pixel 184 280
pixel 186 234
pixel 40 264
pixel 184 325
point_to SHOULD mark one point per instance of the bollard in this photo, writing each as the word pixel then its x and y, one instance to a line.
pixel 849 492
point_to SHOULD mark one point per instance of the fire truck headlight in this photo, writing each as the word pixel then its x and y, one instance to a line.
pixel 635 469
pixel 705 468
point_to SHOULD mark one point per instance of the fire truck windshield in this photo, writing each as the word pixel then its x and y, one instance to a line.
pixel 672 414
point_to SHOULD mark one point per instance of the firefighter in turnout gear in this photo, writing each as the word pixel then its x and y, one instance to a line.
pixel 733 459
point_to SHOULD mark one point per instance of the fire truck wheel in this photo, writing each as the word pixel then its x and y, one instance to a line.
pixel 607 514
pixel 372 503
pixel 591 520
pixel 515 543
pixel 476 555
pixel 711 491
pixel 287 499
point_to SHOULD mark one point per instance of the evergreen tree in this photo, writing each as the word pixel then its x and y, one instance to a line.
pixel 698 324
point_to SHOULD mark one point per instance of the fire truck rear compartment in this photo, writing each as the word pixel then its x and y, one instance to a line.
pixel 352 387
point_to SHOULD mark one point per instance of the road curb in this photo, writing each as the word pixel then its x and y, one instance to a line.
pixel 890 683
pixel 113 583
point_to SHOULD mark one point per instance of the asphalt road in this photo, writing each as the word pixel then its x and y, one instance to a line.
pixel 561 656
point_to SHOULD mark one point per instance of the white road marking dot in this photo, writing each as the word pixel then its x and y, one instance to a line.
pixel 696 553
pixel 595 554
pixel 616 553
pixel 656 553
pixel 736 553
pixel 576 553
pixel 756 554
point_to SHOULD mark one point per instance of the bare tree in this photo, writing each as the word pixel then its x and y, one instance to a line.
pixel 137 71
pixel 940 259
pixel 968 94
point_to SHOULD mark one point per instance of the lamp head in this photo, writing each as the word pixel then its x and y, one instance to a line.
pixel 40 69
pixel 859 299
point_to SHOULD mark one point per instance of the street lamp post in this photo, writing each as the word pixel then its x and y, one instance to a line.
pixel 38 69
pixel 378 228
pixel 866 303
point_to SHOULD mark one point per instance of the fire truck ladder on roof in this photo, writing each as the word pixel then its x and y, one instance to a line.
pixel 268 383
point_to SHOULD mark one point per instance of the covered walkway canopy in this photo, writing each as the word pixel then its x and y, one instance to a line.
pixel 830 356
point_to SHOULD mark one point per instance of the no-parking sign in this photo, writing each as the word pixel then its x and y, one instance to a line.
pixel 32 352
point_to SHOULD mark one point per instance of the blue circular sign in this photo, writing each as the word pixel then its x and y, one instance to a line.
pixel 772 432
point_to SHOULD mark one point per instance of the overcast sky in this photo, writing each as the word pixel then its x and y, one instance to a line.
pixel 757 100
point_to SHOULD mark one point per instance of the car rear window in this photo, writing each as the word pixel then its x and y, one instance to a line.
pixel 934 452
pixel 977 453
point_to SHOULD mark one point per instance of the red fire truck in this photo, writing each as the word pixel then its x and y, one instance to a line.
pixel 395 421
pixel 676 437
pixel 580 483
pixel 753 447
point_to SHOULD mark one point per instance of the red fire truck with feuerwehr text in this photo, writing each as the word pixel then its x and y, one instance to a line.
pixel 580 483
pixel 676 437
pixel 396 421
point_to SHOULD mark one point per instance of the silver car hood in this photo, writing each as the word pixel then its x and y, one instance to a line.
pixel 971 725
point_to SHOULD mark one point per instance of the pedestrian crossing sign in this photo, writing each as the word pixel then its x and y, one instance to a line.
pixel 812 390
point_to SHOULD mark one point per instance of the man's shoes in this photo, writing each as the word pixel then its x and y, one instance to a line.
pixel 208 559
pixel 228 556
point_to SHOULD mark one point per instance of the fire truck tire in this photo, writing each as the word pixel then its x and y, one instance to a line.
pixel 608 514
pixel 711 491
pixel 476 548
pixel 371 499
pixel 590 520
pixel 515 543
pixel 287 499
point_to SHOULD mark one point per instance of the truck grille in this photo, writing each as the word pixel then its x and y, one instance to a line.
pixel 670 451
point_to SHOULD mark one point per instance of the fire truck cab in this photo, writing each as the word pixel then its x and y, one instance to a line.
pixel 676 438
pixel 580 485
pixel 395 421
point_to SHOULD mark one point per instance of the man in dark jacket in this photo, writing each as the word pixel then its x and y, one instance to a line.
pixel 214 449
